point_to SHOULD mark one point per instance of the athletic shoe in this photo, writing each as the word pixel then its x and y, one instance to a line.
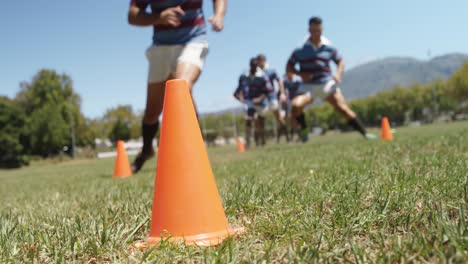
pixel 140 159
pixel 370 136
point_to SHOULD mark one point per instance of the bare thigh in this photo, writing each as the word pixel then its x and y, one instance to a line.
pixel 190 73
pixel 156 91
pixel 338 101
pixel 299 102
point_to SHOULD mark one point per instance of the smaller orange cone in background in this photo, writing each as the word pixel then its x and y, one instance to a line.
pixel 386 130
pixel 240 145
pixel 122 166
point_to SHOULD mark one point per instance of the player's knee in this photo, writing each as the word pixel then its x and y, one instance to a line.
pixel 189 77
pixel 296 104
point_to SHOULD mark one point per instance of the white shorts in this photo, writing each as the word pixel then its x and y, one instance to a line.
pixel 260 109
pixel 163 59
pixel 320 90
pixel 283 113
pixel 273 104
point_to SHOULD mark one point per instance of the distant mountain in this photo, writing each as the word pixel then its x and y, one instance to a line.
pixel 370 78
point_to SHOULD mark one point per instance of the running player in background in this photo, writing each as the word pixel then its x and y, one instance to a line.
pixel 313 59
pixel 292 83
pixel 273 97
pixel 253 90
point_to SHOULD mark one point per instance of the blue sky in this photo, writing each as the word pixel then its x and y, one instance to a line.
pixel 92 42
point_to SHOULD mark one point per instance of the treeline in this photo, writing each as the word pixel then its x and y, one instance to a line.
pixel 45 120
pixel 419 102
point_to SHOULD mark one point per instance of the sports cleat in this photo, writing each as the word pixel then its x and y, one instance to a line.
pixel 140 159
pixel 304 135
pixel 370 136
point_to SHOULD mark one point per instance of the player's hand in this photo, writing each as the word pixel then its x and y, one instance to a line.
pixel 282 98
pixel 171 16
pixel 306 76
pixel 257 100
pixel 217 23
pixel 337 78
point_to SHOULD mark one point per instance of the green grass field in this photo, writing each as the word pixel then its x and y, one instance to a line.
pixel 337 198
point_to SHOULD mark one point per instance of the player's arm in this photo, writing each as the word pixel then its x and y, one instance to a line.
pixel 138 16
pixel 291 67
pixel 217 20
pixel 239 92
pixel 267 89
pixel 282 92
pixel 340 66
pixel 239 95
pixel 291 64
pixel 278 80
pixel 259 99
pixel 339 71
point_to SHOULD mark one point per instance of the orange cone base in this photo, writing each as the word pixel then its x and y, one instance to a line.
pixel 121 176
pixel 202 240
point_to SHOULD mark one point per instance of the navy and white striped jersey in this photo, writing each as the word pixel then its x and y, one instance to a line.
pixel 292 87
pixel 191 29
pixel 253 86
pixel 315 61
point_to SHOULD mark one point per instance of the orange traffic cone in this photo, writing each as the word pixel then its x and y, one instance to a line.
pixel 386 130
pixel 240 145
pixel 186 204
pixel 122 166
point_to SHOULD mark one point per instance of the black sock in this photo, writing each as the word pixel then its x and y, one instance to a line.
pixel 357 125
pixel 301 120
pixel 148 131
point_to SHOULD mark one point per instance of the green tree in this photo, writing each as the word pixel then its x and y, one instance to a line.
pixel 12 123
pixel 49 131
pixel 125 114
pixel 51 106
pixel 119 131
pixel 457 85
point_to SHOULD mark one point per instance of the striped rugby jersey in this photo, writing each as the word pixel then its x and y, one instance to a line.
pixel 191 29
pixel 315 61
pixel 253 86
pixel 272 75
pixel 292 87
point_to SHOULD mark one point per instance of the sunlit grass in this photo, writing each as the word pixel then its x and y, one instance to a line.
pixel 336 198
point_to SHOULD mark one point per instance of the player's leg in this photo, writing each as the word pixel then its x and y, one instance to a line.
pixel 190 63
pixel 285 115
pixel 275 108
pixel 283 130
pixel 293 125
pixel 150 124
pixel 337 100
pixel 249 118
pixel 260 130
pixel 153 109
pixel 297 112
pixel 159 71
